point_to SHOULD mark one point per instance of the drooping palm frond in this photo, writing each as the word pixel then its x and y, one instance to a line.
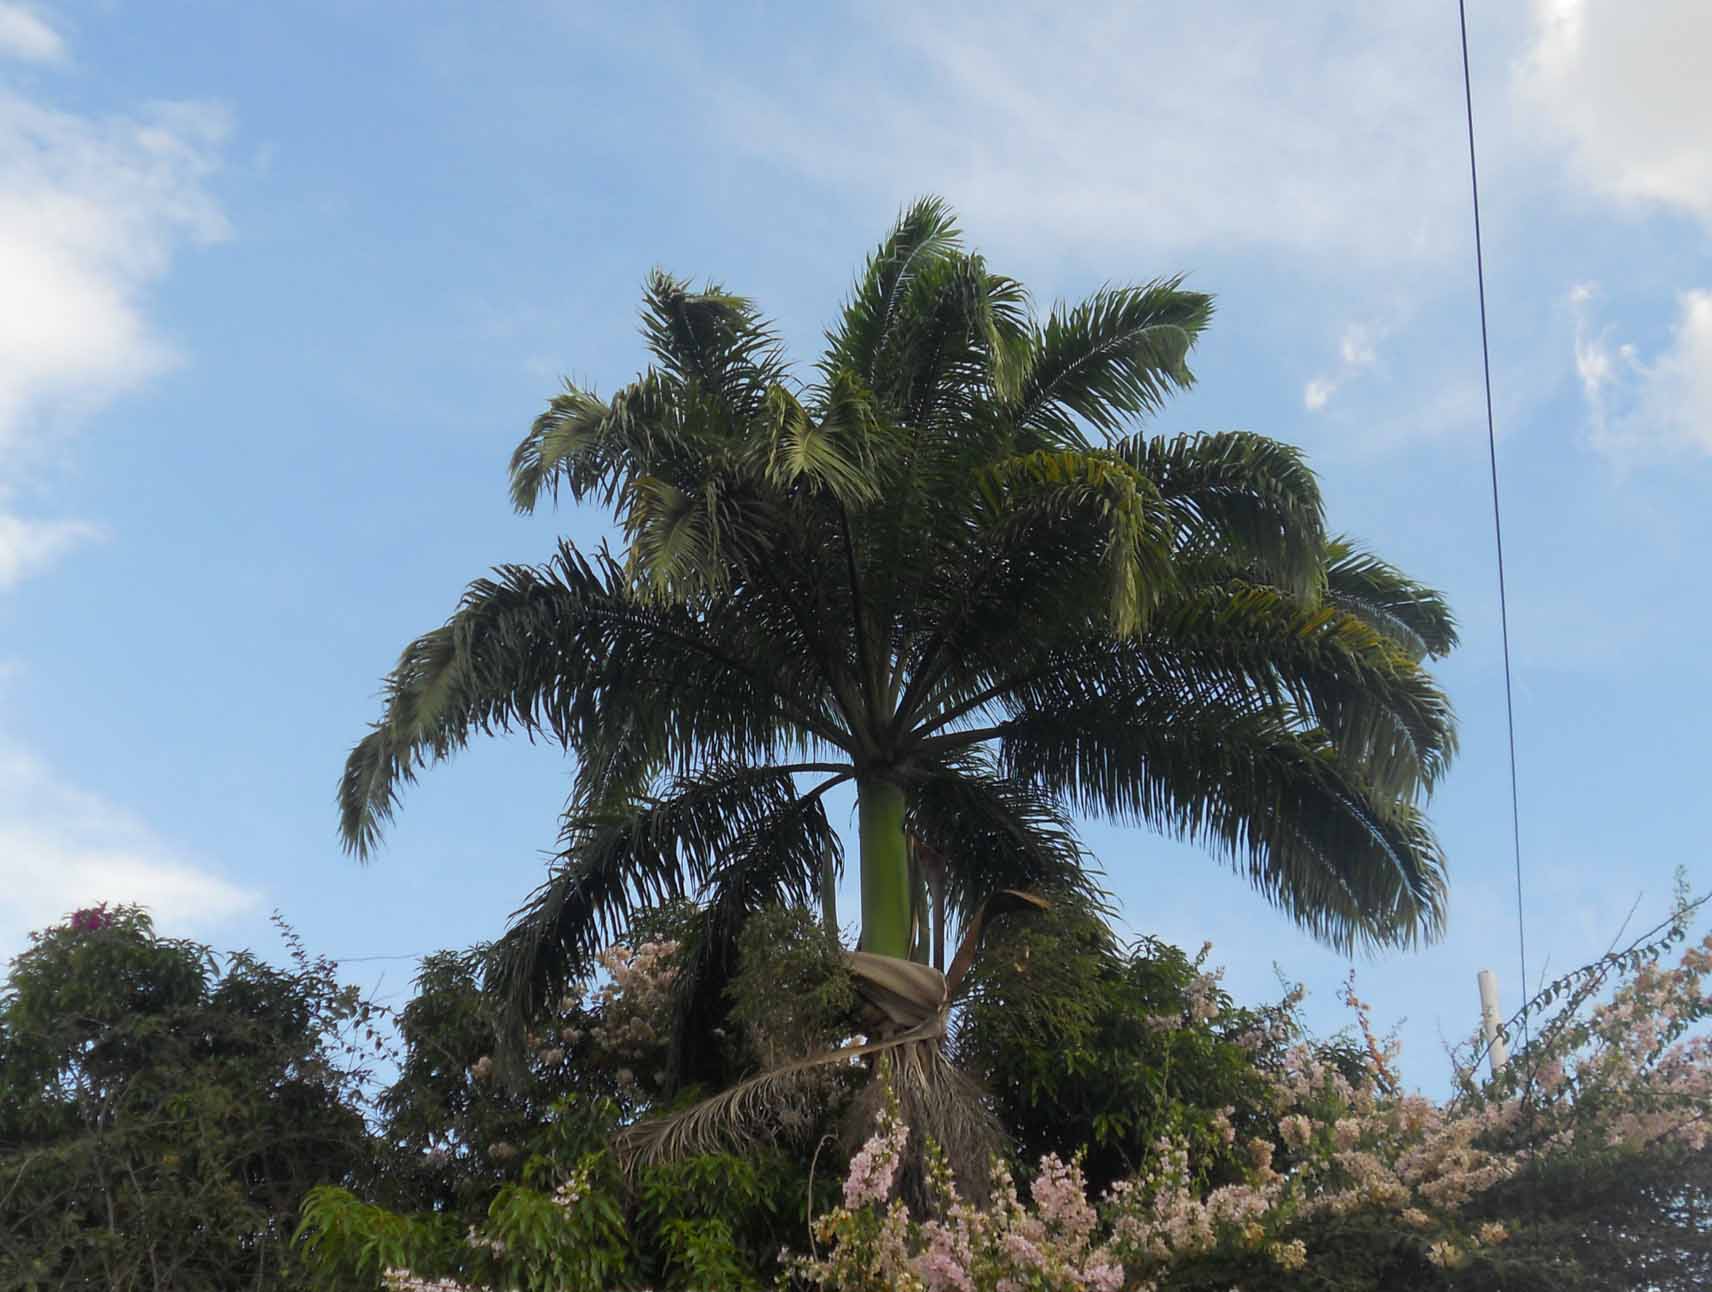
pixel 1361 687
pixel 775 859
pixel 1123 504
pixel 743 830
pixel 1353 866
pixel 563 650
pixel 1241 498
pixel 1365 586
pixel 1255 648
pixel 1053 548
pixel 997 834
pixel 908 1007
pixel 596 448
pixel 1113 357
pixel 837 448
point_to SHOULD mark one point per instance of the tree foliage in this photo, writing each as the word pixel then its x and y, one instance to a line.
pixel 1087 1048
pixel 163 1113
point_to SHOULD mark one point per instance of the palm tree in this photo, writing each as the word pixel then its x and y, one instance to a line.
pixel 950 568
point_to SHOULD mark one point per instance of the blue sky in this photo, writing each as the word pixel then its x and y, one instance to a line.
pixel 281 286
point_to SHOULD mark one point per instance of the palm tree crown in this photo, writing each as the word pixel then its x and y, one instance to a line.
pixel 948 567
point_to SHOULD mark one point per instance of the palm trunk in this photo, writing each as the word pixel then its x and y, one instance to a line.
pixel 829 894
pixel 885 868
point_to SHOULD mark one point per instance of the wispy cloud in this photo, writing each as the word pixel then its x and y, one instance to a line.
pixel 62 847
pixel 92 211
pixel 1642 409
pixel 1623 86
pixel 1154 129
pixel 1356 351
pixel 28 547
pixel 24 35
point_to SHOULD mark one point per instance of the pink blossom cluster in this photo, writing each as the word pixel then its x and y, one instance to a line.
pixel 634 1011
pixel 1007 1246
pixel 1639 1051
pixel 91 919
pixel 1631 1072
pixel 875 1166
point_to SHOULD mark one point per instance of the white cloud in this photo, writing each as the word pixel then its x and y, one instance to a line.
pixel 1624 87
pixel 23 35
pixel 62 848
pixel 1356 351
pixel 1643 410
pixel 27 546
pixel 91 213
pixel 1153 128
pixel 92 210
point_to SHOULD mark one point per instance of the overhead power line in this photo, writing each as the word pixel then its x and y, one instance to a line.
pixel 1497 513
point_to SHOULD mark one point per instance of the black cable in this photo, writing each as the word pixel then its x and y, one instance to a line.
pixel 1497 517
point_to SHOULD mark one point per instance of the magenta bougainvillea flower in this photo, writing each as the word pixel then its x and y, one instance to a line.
pixel 90 919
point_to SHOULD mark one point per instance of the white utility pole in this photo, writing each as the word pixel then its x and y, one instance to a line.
pixel 1496 1050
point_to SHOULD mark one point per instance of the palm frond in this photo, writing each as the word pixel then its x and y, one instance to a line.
pixel 1250 647
pixel 1242 497
pixel 1370 696
pixel 1114 357
pixel 996 833
pixel 715 344
pixel 1394 604
pixel 568 650
pixel 593 447
pixel 925 233
pixel 1137 537
pixel 936 364
pixel 837 451
pixel 1050 548
pixel 774 859
pixel 1351 865
pixel 686 544
pixel 721 825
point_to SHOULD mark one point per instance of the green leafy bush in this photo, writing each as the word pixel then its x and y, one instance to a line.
pixel 1092 1050
pixel 162 1113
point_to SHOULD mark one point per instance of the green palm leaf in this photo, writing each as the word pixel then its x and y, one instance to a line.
pixel 926 232
pixel 744 833
pixel 1410 612
pixel 1352 865
pixel 1242 497
pixel 1116 356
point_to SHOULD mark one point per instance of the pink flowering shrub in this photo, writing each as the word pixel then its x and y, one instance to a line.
pixel 1547 1177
